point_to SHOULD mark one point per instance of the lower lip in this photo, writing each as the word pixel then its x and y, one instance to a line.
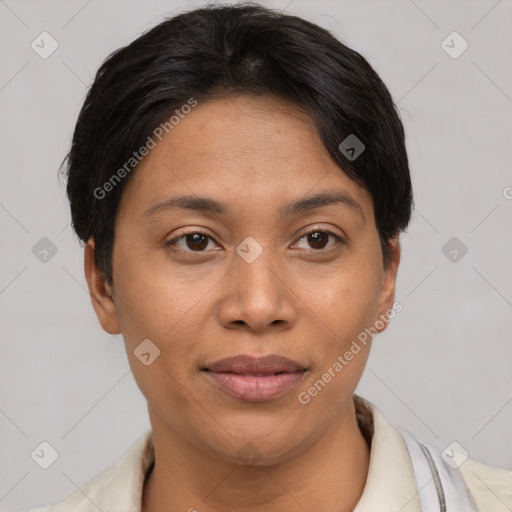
pixel 256 389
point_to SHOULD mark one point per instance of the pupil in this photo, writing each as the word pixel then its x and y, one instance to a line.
pixel 316 239
pixel 197 238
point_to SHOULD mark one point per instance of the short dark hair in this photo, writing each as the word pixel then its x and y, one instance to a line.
pixel 216 51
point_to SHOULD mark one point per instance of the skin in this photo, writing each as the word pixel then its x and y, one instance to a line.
pixel 302 298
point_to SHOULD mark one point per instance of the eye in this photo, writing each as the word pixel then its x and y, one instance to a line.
pixel 319 238
pixel 198 241
pixel 194 241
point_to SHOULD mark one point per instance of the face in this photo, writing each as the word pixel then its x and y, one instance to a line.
pixel 251 287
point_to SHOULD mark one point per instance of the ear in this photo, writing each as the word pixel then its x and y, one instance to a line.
pixel 386 311
pixel 100 291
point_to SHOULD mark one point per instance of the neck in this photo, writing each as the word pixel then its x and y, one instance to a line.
pixel 328 475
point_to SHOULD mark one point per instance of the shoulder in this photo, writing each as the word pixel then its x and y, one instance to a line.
pixel 491 487
pixel 116 489
pixel 84 498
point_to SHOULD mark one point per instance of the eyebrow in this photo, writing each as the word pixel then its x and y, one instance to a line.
pixel 212 206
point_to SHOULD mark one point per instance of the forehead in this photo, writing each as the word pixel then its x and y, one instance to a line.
pixel 244 130
pixel 245 149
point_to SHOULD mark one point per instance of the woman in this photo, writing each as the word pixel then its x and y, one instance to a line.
pixel 240 180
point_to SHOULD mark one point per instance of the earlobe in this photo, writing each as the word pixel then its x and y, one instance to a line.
pixel 100 292
pixel 387 296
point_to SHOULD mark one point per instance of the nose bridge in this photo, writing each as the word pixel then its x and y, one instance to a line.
pixel 258 295
pixel 254 272
pixel 257 274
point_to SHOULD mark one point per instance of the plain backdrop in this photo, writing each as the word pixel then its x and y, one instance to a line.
pixel 443 368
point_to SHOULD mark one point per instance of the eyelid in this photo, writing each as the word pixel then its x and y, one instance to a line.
pixel 313 229
pixel 340 239
pixel 192 231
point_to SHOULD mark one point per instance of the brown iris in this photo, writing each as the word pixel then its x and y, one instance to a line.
pixel 197 241
pixel 315 239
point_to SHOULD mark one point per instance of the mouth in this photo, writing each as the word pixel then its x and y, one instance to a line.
pixel 255 379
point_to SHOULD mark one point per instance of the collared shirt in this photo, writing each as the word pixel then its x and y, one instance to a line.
pixel 390 484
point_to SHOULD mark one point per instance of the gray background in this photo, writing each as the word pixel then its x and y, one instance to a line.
pixel 442 370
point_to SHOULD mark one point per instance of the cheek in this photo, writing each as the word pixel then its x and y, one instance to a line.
pixel 165 308
pixel 346 307
pixel 153 297
pixel 346 299
pixel 165 311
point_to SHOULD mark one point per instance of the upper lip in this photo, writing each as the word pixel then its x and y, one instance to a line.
pixel 245 364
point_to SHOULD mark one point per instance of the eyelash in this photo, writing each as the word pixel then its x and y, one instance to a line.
pixel 172 243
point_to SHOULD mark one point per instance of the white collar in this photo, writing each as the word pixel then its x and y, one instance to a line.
pixel 390 484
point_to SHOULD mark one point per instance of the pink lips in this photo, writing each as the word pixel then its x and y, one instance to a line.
pixel 255 378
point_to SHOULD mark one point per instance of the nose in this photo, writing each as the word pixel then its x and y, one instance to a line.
pixel 257 296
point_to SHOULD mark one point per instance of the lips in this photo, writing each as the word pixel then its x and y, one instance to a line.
pixel 249 365
pixel 255 378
